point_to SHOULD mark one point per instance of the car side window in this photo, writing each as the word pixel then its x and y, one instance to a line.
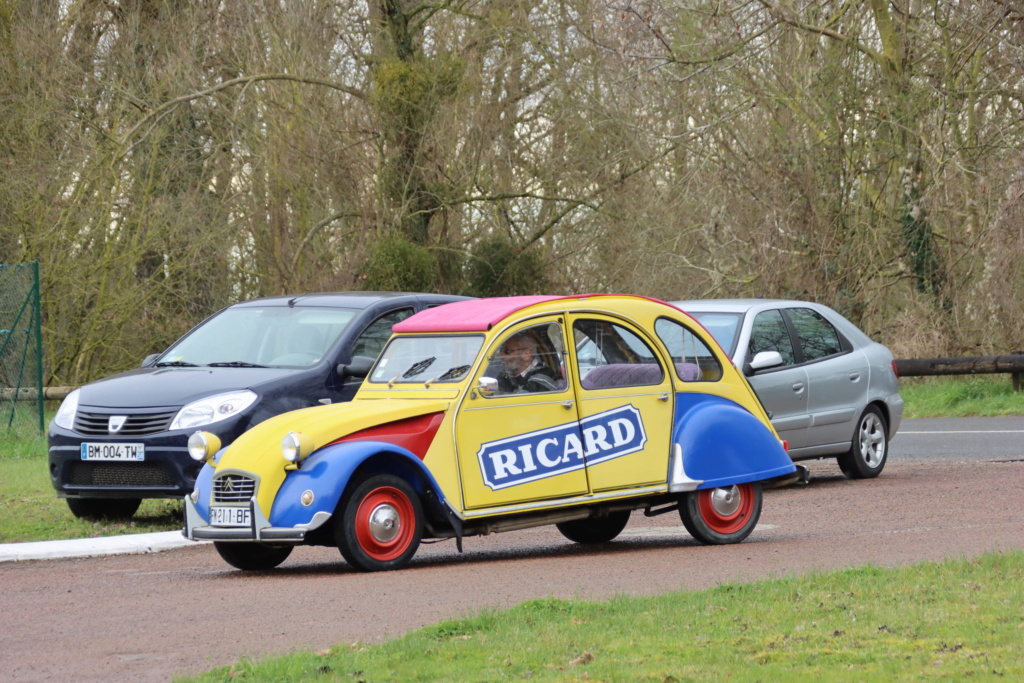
pixel 529 361
pixel 817 337
pixel 371 342
pixel 770 333
pixel 693 359
pixel 609 355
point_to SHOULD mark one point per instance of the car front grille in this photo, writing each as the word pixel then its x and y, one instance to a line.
pixel 118 474
pixel 233 488
pixel 136 424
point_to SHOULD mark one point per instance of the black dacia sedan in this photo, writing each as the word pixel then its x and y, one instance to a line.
pixel 123 438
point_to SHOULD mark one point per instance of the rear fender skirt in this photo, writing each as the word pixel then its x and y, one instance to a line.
pixel 327 472
pixel 724 444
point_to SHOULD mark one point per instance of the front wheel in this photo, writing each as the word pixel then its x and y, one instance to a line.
pixel 380 524
pixel 595 529
pixel 723 515
pixel 869 448
pixel 252 556
pixel 114 509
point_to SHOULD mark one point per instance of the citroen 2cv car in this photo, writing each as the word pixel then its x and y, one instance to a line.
pixel 479 417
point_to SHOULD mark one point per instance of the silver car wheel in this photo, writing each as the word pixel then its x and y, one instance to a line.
pixel 872 440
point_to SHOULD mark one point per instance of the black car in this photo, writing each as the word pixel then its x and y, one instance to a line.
pixel 120 439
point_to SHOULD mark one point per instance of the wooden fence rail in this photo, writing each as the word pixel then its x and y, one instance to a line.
pixel 1011 363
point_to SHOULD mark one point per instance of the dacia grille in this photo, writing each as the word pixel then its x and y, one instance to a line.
pixel 136 424
pixel 233 488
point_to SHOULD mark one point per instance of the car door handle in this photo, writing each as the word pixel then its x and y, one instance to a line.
pixel 798 387
pixel 663 397
pixel 854 376
pixel 567 405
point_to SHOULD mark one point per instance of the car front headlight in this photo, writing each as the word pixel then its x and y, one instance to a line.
pixel 202 446
pixel 213 409
pixel 296 447
pixel 65 417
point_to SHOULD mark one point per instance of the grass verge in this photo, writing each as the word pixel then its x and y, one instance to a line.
pixel 967 396
pixel 31 511
pixel 952 620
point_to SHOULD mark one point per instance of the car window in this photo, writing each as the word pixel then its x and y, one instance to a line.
pixel 427 360
pixel 376 335
pixel 693 359
pixel 529 360
pixel 817 337
pixel 609 355
pixel 273 336
pixel 769 333
pixel 722 326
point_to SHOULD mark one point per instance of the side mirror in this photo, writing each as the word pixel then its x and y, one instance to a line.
pixel 359 367
pixel 487 386
pixel 763 360
pixel 149 360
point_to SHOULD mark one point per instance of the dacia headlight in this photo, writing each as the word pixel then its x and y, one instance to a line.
pixel 213 409
pixel 65 417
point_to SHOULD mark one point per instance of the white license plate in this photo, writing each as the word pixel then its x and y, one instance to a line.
pixel 114 452
pixel 230 516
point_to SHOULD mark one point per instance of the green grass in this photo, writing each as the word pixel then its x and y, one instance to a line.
pixel 950 621
pixel 31 511
pixel 966 396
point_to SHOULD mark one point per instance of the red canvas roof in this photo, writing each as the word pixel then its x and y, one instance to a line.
pixel 474 315
pixel 477 315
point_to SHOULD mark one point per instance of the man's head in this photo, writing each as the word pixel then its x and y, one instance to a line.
pixel 517 353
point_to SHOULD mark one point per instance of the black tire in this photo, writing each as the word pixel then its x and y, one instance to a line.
pixel 112 509
pixel 380 525
pixel 595 529
pixel 253 556
pixel 869 447
pixel 723 515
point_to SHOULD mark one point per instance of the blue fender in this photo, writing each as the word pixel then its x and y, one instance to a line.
pixel 327 473
pixel 724 444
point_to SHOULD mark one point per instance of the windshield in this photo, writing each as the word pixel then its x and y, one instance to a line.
pixel 722 326
pixel 427 359
pixel 270 336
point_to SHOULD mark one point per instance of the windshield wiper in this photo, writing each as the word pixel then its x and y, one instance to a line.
pixel 452 373
pixel 234 364
pixel 175 364
pixel 418 367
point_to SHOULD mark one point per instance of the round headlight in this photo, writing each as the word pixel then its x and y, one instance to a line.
pixel 296 447
pixel 202 446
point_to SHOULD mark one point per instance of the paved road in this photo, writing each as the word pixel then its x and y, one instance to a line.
pixel 147 617
pixel 967 438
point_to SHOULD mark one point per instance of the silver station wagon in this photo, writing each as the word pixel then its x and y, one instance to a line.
pixel 830 390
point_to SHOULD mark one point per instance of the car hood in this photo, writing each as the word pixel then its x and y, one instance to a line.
pixel 161 387
pixel 258 450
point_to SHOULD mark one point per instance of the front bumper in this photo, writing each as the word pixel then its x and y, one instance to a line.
pixel 198 529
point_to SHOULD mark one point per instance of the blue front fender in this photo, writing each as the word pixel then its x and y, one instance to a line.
pixel 724 444
pixel 328 471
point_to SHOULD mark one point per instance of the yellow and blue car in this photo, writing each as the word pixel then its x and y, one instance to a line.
pixel 490 415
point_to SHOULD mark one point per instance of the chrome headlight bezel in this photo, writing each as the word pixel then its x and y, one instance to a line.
pixel 296 447
pixel 213 409
pixel 202 446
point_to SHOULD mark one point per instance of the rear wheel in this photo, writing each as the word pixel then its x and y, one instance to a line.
pixel 595 529
pixel 869 448
pixel 723 515
pixel 380 524
pixel 253 556
pixel 103 508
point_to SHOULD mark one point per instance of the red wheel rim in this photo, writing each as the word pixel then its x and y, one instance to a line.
pixel 385 522
pixel 722 512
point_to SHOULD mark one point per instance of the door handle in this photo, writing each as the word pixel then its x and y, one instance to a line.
pixel 663 397
pixel 567 405
pixel 854 376
pixel 798 387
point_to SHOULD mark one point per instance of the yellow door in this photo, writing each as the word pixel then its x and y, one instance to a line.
pixel 518 437
pixel 625 404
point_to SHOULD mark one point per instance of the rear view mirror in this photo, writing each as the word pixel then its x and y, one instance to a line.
pixel 763 360
pixel 149 360
pixel 359 367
